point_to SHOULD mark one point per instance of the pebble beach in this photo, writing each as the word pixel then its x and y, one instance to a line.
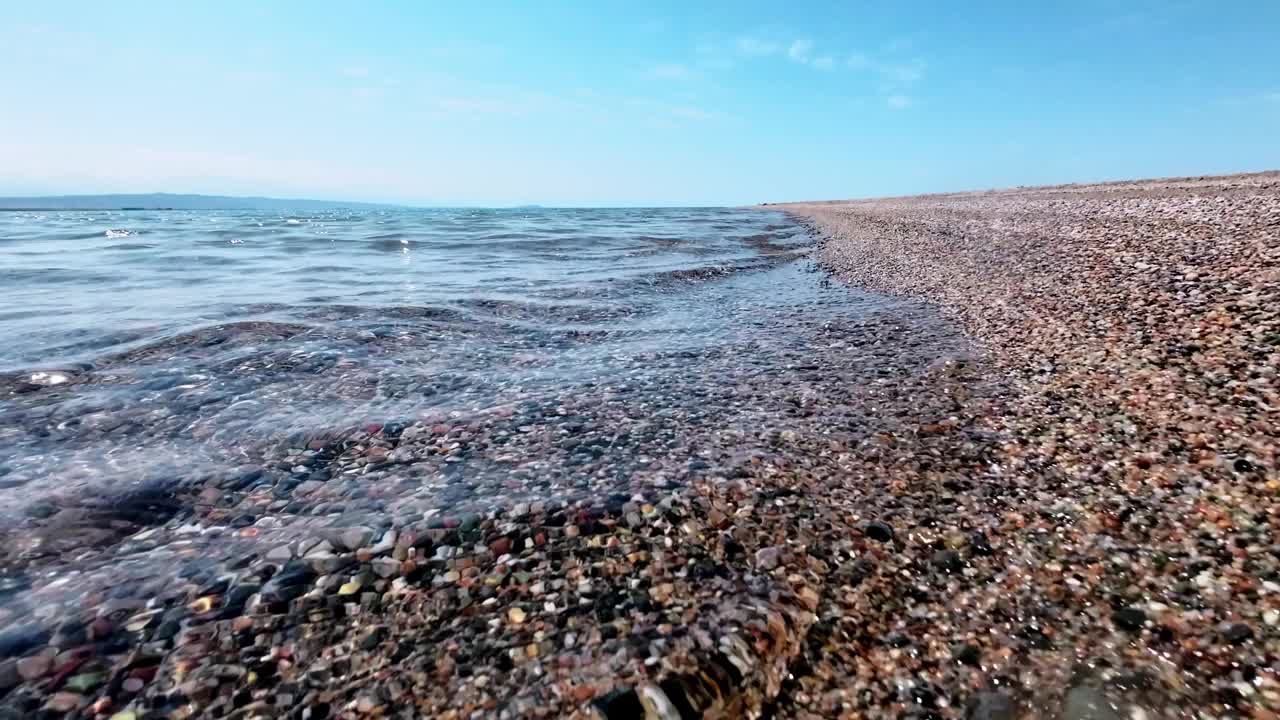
pixel 1004 455
pixel 1128 502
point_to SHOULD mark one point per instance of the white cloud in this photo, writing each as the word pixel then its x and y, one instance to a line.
pixel 903 73
pixel 898 102
pixel 826 62
pixel 668 115
pixel 799 50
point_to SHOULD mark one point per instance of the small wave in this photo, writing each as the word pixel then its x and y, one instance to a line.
pixel 119 233
pixel 130 246
pixel 390 244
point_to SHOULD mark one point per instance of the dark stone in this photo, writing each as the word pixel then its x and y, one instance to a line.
pixel 878 531
pixel 1086 702
pixel 967 654
pixel 675 691
pixel 11 584
pixel 167 630
pixel 240 595
pixel 947 561
pixel 621 705
pixel 215 587
pixel 18 639
pixel 991 705
pixel 862 569
pixel 980 545
pixel 1237 633
pixel 1131 619
pixel 732 548
pixel 289 583
pixel 41 510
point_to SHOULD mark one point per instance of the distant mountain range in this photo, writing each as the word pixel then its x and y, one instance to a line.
pixel 170 201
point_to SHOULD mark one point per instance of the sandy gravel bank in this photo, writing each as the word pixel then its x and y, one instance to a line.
pixel 1131 502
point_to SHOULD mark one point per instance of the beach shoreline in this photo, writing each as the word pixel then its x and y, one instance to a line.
pixel 1040 482
pixel 1135 496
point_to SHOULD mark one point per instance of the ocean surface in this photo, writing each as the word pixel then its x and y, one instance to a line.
pixel 171 382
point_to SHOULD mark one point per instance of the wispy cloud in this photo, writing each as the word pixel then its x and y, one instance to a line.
pixel 895 73
pixel 799 50
pixel 907 73
pixel 665 114
pixel 355 72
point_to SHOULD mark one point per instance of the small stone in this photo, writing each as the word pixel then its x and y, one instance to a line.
pixel 980 545
pixel 324 562
pixel 1086 702
pixel 1131 619
pixel 65 701
pixel 1237 633
pixel 386 567
pixel 85 682
pixel 768 558
pixel 34 667
pixel 142 621
pixel 500 547
pixel 878 531
pixel 17 639
pixel 948 561
pixel 991 705
pixel 204 605
pixel 516 616
pixel 125 715
pixel 350 588
pixel 279 554
pixel 967 654
pixel 355 538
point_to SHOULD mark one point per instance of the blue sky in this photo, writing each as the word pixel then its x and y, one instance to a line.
pixel 629 103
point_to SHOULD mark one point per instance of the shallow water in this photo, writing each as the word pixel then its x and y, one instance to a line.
pixel 233 375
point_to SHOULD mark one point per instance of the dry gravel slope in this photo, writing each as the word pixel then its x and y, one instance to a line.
pixel 1139 325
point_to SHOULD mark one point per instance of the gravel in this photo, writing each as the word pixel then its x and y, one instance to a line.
pixel 1131 504
pixel 1068 513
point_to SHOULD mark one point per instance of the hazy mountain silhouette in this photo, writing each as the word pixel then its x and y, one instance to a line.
pixel 170 201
